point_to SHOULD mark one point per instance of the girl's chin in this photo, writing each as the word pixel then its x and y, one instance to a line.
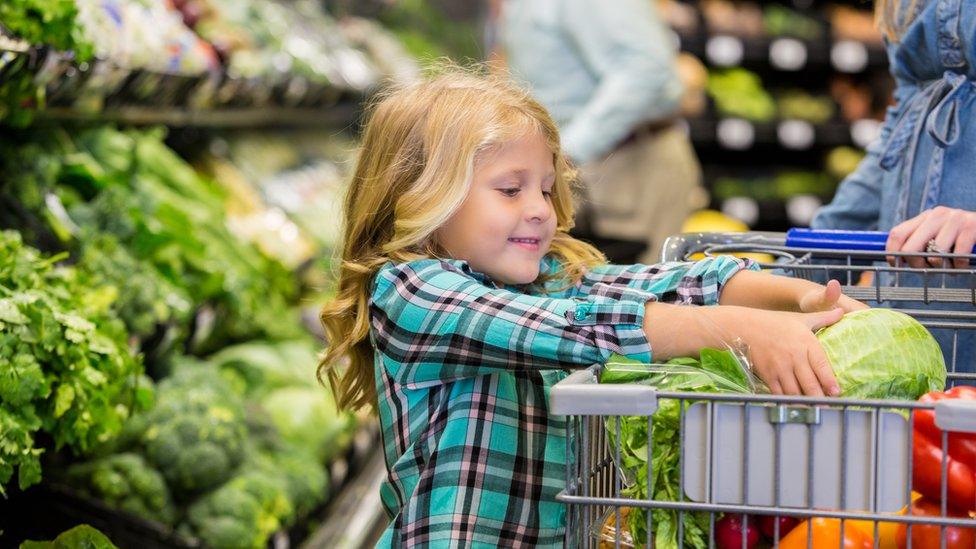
pixel 526 276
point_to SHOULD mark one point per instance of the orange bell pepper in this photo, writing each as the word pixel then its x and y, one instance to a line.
pixel 887 531
pixel 826 535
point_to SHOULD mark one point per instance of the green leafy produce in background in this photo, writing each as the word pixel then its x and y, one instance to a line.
pixel 800 105
pixel 47 22
pixel 79 537
pixel 132 188
pixel 778 187
pixel 137 292
pixel 779 20
pixel 37 22
pixel 65 365
pixel 428 34
pixel 740 93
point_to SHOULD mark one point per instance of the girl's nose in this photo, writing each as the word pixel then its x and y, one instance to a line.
pixel 538 208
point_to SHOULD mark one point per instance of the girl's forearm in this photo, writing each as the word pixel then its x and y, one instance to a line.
pixel 765 291
pixel 681 330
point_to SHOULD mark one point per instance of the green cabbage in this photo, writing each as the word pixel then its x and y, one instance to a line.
pixel 880 353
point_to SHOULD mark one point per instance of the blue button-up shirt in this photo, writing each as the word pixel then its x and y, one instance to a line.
pixel 600 68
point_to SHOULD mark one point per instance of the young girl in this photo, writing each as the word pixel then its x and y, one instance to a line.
pixel 462 300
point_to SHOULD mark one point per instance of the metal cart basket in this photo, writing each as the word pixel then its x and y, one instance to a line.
pixel 845 460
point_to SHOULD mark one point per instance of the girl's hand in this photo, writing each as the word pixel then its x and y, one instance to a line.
pixel 784 352
pixel 780 344
pixel 825 298
pixel 950 230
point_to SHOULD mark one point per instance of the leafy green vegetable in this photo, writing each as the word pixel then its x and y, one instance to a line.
pixel 875 353
pixel 65 365
pixel 265 365
pixel 881 353
pixel 739 92
pixel 169 224
pixel 49 22
pixel 716 372
pixel 125 481
pixel 139 295
pixel 79 537
pixel 38 22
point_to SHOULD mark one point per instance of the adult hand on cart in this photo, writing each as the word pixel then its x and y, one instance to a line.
pixel 940 230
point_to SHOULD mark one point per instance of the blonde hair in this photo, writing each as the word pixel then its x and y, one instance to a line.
pixel 414 170
pixel 893 16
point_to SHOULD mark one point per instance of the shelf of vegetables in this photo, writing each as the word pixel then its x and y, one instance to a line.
pixel 800 82
pixel 165 421
pixel 200 62
pixel 159 377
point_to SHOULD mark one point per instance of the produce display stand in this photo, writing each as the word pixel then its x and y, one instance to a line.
pixel 779 456
pixel 50 508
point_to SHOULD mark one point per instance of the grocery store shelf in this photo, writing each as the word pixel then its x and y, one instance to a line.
pixel 341 114
pixel 796 135
pixel 356 517
pixel 783 53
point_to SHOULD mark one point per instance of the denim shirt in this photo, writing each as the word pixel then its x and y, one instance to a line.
pixel 600 68
pixel 926 153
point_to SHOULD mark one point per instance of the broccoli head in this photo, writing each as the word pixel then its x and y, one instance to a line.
pixel 125 481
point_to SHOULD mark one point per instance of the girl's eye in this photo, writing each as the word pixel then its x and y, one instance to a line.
pixel 547 194
pixel 510 192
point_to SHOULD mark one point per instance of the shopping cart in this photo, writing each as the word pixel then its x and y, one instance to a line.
pixel 844 460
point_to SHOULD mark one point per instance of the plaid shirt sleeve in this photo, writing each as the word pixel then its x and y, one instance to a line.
pixel 698 283
pixel 436 321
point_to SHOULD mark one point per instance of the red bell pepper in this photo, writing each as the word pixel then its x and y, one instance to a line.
pixel 960 461
pixel 930 536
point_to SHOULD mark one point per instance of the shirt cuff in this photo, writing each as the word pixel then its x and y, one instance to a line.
pixel 617 324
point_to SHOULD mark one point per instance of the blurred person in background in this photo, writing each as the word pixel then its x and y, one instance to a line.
pixel 917 178
pixel 607 73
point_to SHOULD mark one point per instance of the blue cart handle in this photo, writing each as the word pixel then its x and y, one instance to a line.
pixel 871 241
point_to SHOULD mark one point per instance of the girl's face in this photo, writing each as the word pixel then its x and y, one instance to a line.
pixel 507 222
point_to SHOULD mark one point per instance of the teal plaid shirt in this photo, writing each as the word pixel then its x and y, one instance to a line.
pixel 463 373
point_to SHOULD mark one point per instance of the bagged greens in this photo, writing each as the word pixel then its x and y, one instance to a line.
pixel 716 372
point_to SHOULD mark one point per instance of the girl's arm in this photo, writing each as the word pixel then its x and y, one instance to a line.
pixel 689 283
pixel 436 321
pixel 781 345
pixel 781 293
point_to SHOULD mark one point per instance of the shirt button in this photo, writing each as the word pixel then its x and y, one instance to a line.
pixel 581 313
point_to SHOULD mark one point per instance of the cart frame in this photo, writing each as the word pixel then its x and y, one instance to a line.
pixel 596 487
